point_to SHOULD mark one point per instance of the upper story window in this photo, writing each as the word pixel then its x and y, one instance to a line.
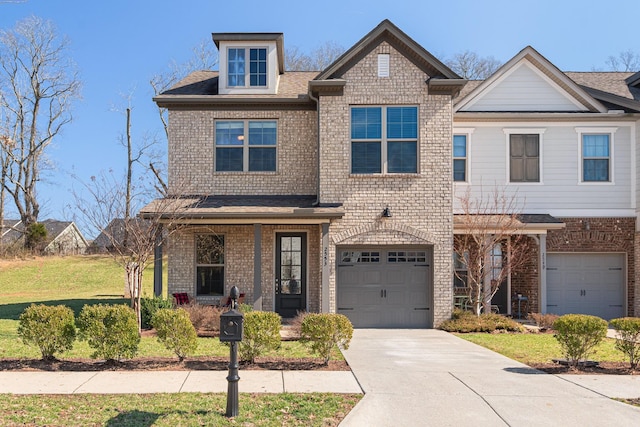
pixel 209 264
pixel 596 158
pixel 384 140
pixel 239 75
pixel 524 158
pixel 460 158
pixel 246 146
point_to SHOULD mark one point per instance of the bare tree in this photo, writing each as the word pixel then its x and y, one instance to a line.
pixel 38 82
pixel 486 223
pixel 103 205
pixel 317 60
pixel 203 58
pixel 625 61
pixel 470 66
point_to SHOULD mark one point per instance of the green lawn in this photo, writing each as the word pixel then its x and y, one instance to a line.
pixel 183 409
pixel 78 280
pixel 538 348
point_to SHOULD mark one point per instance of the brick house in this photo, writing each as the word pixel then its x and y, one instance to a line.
pixel 334 191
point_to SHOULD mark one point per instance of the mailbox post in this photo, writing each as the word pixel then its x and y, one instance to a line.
pixel 231 330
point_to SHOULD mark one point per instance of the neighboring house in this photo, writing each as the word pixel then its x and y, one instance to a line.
pixel 9 231
pixel 334 191
pixel 563 144
pixel 63 237
pixel 114 235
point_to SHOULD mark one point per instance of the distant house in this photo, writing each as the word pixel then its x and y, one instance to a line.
pixel 63 237
pixel 113 235
pixel 9 231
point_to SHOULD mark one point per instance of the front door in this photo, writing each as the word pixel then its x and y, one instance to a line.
pixel 291 273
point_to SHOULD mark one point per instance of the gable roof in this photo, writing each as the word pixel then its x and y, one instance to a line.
pixel 441 77
pixel 546 71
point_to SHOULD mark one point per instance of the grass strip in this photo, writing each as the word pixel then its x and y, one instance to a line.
pixel 181 409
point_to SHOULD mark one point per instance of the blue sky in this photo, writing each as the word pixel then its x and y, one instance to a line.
pixel 120 44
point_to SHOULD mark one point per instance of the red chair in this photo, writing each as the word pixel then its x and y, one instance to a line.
pixel 182 298
pixel 226 301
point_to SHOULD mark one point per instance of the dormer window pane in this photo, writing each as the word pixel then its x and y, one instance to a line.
pixel 236 67
pixel 258 67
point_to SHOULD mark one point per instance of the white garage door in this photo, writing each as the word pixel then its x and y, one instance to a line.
pixel 586 284
pixel 385 287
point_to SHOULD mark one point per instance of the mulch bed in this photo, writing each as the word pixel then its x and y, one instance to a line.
pixel 170 364
pixel 603 368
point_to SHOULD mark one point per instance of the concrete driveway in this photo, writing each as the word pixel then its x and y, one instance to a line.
pixel 432 378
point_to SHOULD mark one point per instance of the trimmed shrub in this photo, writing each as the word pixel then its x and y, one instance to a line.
pixel 543 321
pixel 578 334
pixel 111 330
pixel 204 317
pixel 628 339
pixel 466 321
pixel 323 331
pixel 175 331
pixel 261 334
pixel 51 328
pixel 149 306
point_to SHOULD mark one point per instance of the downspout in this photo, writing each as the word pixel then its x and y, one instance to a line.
pixel 317 101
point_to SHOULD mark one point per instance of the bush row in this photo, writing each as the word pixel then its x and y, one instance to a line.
pixel 110 330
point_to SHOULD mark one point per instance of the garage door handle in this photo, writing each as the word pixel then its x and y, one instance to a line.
pixel 421 308
pixel 551 268
pixel 345 309
pixel 615 268
pixel 616 305
pixel 552 305
pixel 421 265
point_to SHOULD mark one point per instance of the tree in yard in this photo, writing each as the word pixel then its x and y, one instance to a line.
pixel 38 83
pixel 489 244
pixel 103 210
pixel 471 66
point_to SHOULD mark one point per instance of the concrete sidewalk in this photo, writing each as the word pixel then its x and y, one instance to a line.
pixel 432 378
pixel 105 382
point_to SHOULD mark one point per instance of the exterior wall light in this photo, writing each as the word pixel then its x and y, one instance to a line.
pixel 386 213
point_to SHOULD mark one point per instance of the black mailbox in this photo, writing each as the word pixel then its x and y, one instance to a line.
pixel 231 326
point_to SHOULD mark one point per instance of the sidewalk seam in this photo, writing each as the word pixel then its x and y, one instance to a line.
pixel 81 385
pixel 284 390
pixel 582 386
pixel 481 397
pixel 184 382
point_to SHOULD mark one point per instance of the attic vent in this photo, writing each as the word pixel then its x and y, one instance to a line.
pixel 383 65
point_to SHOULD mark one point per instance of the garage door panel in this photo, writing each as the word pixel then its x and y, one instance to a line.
pixel 586 283
pixel 385 293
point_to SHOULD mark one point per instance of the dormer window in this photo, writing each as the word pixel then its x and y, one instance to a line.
pixel 239 75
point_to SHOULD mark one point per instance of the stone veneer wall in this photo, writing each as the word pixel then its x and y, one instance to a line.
pixel 191 154
pixel 421 204
pixel 603 235
pixel 239 261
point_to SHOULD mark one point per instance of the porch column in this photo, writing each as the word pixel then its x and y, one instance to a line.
pixel 325 295
pixel 542 271
pixel 157 264
pixel 257 267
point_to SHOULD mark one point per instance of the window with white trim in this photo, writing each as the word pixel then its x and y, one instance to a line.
pixel 209 264
pixel 384 140
pixel 245 145
pixel 596 157
pixel 460 158
pixel 239 75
